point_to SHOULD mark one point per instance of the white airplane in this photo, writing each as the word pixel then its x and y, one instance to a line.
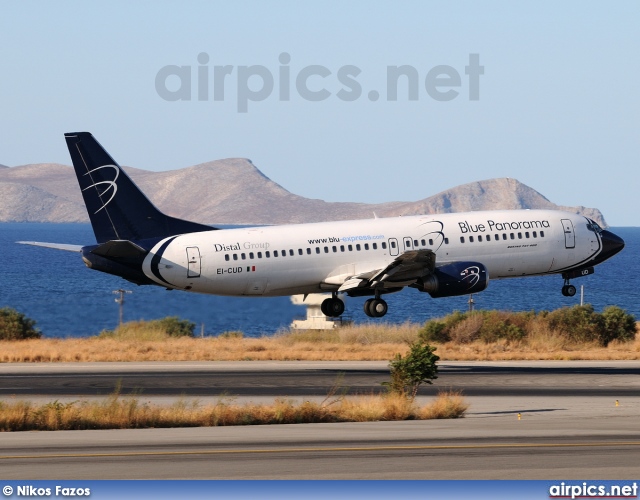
pixel 444 255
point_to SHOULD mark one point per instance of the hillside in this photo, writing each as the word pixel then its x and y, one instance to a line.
pixel 235 191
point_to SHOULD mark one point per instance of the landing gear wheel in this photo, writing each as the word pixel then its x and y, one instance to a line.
pixel 568 290
pixel 375 308
pixel 324 307
pixel 336 307
pixel 332 307
pixel 367 303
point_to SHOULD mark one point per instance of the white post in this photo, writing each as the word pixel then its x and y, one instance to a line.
pixel 581 295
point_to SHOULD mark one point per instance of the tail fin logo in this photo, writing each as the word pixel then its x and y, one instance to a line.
pixel 110 185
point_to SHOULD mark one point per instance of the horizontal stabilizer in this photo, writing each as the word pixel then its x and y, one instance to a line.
pixel 58 246
pixel 119 249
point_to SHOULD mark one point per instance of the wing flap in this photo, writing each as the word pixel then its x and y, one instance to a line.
pixel 409 266
pixel 405 270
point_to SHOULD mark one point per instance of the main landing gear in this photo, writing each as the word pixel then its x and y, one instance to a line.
pixel 568 290
pixel 375 308
pixel 332 307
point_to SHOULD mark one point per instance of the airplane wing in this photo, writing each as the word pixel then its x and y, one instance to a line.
pixel 405 270
pixel 58 246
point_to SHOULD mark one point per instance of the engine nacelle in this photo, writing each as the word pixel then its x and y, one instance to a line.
pixel 459 278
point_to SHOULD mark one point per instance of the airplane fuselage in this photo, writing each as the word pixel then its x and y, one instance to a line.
pixel 443 255
pixel 312 258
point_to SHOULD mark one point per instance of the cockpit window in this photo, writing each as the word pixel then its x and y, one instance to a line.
pixel 593 226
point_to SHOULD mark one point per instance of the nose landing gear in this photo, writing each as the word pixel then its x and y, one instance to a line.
pixel 568 290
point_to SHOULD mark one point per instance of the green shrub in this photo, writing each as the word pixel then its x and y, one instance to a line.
pixel 617 325
pixel 498 325
pixel 434 331
pixel 577 323
pixel 175 327
pixel 439 330
pixel 157 329
pixel 409 372
pixel 16 326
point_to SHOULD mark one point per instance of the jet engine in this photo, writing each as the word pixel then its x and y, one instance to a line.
pixel 458 278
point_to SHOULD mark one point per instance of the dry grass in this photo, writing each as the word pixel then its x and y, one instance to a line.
pixel 379 342
pixel 129 413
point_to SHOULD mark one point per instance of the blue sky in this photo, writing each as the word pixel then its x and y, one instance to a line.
pixel 558 106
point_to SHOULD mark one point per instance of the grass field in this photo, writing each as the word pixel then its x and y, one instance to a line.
pixel 356 343
pixel 118 412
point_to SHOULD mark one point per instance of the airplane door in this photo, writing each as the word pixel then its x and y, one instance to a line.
pixel 193 262
pixel 393 247
pixel 569 234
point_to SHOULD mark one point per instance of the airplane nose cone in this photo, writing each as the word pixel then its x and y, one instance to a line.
pixel 611 245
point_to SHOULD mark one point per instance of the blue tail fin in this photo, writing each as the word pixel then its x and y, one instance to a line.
pixel 117 208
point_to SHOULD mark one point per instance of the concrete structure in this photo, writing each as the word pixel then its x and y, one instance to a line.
pixel 315 319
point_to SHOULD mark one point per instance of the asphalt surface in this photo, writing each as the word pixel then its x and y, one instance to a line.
pixel 210 379
pixel 569 425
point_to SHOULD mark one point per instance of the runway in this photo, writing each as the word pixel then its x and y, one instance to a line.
pixel 570 426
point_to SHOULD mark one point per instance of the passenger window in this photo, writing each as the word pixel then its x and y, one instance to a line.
pixel 259 255
pixel 275 253
pixel 375 246
pixel 526 234
pixel 366 246
pixel 334 248
pixel 226 257
pixel 488 237
pixel 535 234
pixel 430 242
pixel 358 247
pixel 383 245
pixel 308 251
pixel 393 244
pixel 284 253
pixel 541 234
pixel 326 249
pixel 446 241
pixel 342 248
pixel 235 256
pixel 512 236
pixel 317 249
pixel 519 236
pixel 415 243
pixel 424 243
pixel 461 239
pixel 350 247
pixel 504 236
pixel 267 254
pixel 470 239
pixel 299 251
pixel 251 255
pixel 479 237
